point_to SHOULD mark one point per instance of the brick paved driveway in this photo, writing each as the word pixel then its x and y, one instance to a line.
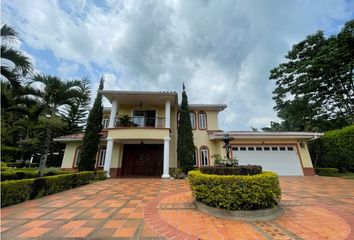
pixel 314 208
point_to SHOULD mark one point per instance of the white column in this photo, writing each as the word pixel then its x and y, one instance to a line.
pixel 166 157
pixel 167 114
pixel 112 117
pixel 108 158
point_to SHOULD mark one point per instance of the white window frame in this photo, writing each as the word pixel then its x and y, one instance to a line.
pixel 77 157
pixel 204 157
pixel 202 120
pixel 193 120
pixel 105 122
pixel 101 156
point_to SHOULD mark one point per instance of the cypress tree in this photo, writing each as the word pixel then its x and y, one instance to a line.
pixel 185 144
pixel 92 134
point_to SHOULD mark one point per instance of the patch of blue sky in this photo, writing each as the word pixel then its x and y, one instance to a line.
pixel 46 62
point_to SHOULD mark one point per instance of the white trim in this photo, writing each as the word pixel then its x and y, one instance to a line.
pixel 204 157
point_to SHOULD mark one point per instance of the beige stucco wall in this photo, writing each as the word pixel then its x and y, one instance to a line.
pixel 201 138
pixel 70 151
pixel 138 133
pixel 69 154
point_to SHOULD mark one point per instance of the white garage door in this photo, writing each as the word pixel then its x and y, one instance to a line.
pixel 283 160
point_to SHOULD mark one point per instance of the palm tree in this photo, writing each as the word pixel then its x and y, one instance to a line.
pixel 14 64
pixel 54 95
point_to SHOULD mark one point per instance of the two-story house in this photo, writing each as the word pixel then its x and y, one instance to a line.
pixel 139 138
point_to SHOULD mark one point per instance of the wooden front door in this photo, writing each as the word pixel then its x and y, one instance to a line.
pixel 142 160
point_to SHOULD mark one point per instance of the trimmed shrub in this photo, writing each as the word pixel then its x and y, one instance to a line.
pixel 177 173
pixel 100 175
pixel 327 171
pixel 237 170
pixel 236 192
pixel 17 175
pixel 15 191
pixel 14 174
pixel 84 177
pixel 334 150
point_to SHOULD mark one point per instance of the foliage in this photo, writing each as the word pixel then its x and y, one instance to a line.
pixel 224 161
pixel 75 113
pixel 36 108
pixel 21 190
pixel 236 192
pixel 326 171
pixel 100 175
pixel 16 191
pixel 177 173
pixel 315 87
pixel 334 149
pixel 124 121
pixel 18 174
pixel 14 64
pixel 92 134
pixel 235 170
pixel 185 145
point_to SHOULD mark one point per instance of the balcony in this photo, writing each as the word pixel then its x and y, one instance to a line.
pixel 139 122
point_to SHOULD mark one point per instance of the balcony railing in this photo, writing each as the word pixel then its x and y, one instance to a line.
pixel 140 122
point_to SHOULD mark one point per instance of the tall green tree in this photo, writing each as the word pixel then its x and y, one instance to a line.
pixel 14 64
pixel 315 86
pixel 76 112
pixel 92 134
pixel 53 94
pixel 185 144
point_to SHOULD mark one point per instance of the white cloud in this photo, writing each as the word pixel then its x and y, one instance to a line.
pixel 222 50
pixel 68 69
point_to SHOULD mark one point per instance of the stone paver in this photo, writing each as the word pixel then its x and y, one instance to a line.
pixel 314 208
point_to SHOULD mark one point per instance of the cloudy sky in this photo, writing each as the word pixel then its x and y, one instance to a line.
pixel 222 50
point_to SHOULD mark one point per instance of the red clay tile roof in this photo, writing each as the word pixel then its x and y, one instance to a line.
pixel 77 136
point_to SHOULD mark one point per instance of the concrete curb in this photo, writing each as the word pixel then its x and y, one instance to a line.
pixel 250 216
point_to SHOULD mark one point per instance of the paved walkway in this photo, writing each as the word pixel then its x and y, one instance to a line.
pixel 314 208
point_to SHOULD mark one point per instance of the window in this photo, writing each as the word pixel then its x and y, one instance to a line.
pixel 144 118
pixel 202 120
pixel 77 156
pixel 282 148
pixel 243 149
pixel 204 156
pixel 235 148
pixel 290 149
pixel 250 148
pixel 101 156
pixel 274 148
pixel 258 148
pixel 266 148
pixel 192 117
pixel 105 122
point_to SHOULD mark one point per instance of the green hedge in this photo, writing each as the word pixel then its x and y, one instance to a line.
pixel 14 174
pixel 334 150
pixel 16 191
pixel 236 192
pixel 236 170
pixel 327 171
